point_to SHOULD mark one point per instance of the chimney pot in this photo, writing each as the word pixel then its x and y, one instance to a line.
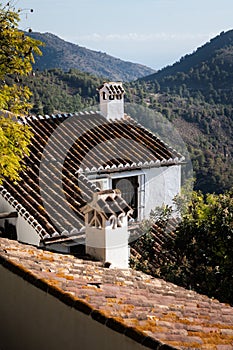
pixel 112 100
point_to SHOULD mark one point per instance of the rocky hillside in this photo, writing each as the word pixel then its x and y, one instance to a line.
pixel 58 53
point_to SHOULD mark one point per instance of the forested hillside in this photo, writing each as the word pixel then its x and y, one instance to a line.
pixel 206 129
pixel 58 53
pixel 57 91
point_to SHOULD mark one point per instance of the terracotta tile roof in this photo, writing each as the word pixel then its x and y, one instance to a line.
pixel 158 314
pixel 109 202
pixel 53 186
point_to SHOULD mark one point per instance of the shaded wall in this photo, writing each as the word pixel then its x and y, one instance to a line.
pixel 31 319
pixel 25 232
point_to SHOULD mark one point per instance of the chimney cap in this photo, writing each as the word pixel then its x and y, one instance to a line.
pixel 113 88
pixel 108 202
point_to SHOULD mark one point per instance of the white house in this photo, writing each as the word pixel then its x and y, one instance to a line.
pixel 74 156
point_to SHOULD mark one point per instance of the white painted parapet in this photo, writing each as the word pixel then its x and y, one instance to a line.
pixel 106 220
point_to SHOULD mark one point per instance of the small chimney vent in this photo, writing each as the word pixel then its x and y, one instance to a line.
pixel 112 100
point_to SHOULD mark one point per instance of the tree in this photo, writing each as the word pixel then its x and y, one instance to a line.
pixel 201 246
pixel 16 57
pixel 204 246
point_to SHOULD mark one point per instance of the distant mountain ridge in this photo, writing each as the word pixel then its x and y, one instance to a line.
pixel 59 53
pixel 202 54
pixel 208 71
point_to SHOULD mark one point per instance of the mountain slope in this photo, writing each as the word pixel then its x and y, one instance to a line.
pixel 59 53
pixel 208 72
pixel 196 94
pixel 56 91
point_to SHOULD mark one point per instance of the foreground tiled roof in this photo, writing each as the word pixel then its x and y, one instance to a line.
pixel 158 314
pixel 64 148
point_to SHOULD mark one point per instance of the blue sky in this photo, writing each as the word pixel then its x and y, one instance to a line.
pixel 152 32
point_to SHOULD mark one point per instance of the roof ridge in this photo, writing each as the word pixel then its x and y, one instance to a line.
pixel 33 117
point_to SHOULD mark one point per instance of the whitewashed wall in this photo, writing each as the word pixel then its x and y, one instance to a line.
pixel 25 232
pixel 157 186
pixel 35 320
pixel 108 245
pixel 161 186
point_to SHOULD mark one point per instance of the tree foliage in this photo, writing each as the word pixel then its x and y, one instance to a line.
pixel 56 91
pixel 201 247
pixel 16 58
pixel 14 140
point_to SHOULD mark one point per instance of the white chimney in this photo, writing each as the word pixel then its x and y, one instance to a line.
pixel 106 221
pixel 112 100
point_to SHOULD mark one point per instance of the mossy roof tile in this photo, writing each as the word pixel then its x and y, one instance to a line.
pixel 163 316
